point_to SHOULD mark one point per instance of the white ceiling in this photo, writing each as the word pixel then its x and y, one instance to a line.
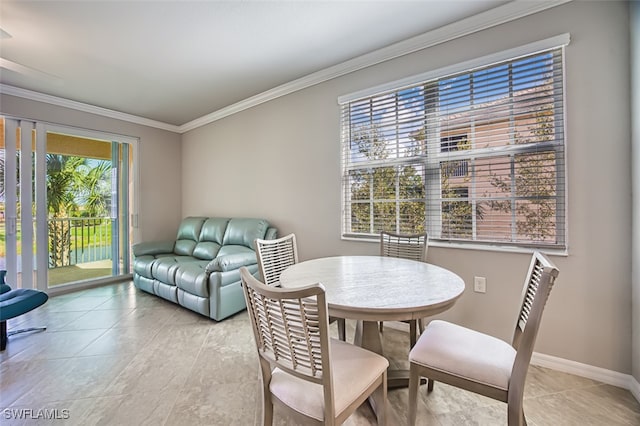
pixel 177 61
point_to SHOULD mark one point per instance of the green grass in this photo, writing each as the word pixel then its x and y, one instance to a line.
pixel 86 237
pixel 80 237
pixel 3 239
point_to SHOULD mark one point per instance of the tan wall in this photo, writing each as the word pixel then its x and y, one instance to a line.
pixel 635 150
pixel 159 162
pixel 281 160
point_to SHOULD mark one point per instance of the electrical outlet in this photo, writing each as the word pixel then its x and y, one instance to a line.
pixel 480 284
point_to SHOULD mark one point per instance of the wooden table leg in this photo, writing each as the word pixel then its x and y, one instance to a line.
pixel 368 336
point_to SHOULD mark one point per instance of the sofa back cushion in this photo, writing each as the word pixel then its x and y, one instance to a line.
pixel 244 231
pixel 188 235
pixel 211 237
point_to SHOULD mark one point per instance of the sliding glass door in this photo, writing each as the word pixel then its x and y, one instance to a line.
pixel 66 200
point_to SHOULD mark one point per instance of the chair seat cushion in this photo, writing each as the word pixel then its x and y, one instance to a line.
pixel 464 353
pixel 354 369
pixel 20 301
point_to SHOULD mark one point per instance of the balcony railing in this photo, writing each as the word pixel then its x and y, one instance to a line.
pixel 79 249
pixel 74 241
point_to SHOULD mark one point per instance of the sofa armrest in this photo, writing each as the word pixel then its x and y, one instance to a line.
pixel 153 248
pixel 271 234
pixel 231 261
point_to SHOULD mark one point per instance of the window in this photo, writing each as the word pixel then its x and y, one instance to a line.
pixel 474 156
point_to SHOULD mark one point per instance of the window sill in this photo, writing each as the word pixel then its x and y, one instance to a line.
pixel 479 247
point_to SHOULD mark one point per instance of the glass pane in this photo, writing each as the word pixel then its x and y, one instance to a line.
pixel 368 143
pixel 493 178
pixel 384 217
pixel 411 183
pixel 384 183
pixel 494 221
pixel 359 184
pixel 536 220
pixel 457 217
pixel 79 201
pixel 412 216
pixel 535 124
pixel 536 174
pixel 361 217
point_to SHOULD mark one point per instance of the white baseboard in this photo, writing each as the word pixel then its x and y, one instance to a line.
pixel 610 377
pixel 635 388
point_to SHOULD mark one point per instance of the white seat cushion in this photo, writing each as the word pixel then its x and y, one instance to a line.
pixel 465 353
pixel 354 369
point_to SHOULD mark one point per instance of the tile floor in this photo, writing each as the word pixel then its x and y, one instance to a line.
pixel 116 356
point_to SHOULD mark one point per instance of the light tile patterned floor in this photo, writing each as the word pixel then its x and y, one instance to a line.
pixel 116 356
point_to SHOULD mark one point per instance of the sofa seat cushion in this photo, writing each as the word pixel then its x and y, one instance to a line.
pixel 142 265
pixel 164 268
pixel 193 278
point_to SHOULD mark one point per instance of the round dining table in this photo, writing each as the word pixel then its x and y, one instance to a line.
pixel 376 288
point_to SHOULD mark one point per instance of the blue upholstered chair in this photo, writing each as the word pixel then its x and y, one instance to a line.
pixel 14 303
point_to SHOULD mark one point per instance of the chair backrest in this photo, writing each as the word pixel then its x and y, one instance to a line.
pixel 291 328
pixel 406 246
pixel 274 256
pixel 537 287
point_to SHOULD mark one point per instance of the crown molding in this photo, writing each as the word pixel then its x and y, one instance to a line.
pixel 79 106
pixel 479 22
pixel 491 18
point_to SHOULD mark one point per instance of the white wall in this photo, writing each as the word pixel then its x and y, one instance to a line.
pixel 635 150
pixel 159 162
pixel 281 161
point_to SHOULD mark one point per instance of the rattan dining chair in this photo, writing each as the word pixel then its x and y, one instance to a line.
pixel 274 256
pixel 480 363
pixel 406 246
pixel 317 378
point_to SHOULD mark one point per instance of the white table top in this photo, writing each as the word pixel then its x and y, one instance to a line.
pixel 375 288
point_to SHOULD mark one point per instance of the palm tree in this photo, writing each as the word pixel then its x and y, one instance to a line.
pixel 75 185
pixel 95 189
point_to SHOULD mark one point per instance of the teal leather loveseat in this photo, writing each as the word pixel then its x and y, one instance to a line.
pixel 200 269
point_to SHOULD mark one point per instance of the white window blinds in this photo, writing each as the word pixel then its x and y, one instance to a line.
pixel 475 156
